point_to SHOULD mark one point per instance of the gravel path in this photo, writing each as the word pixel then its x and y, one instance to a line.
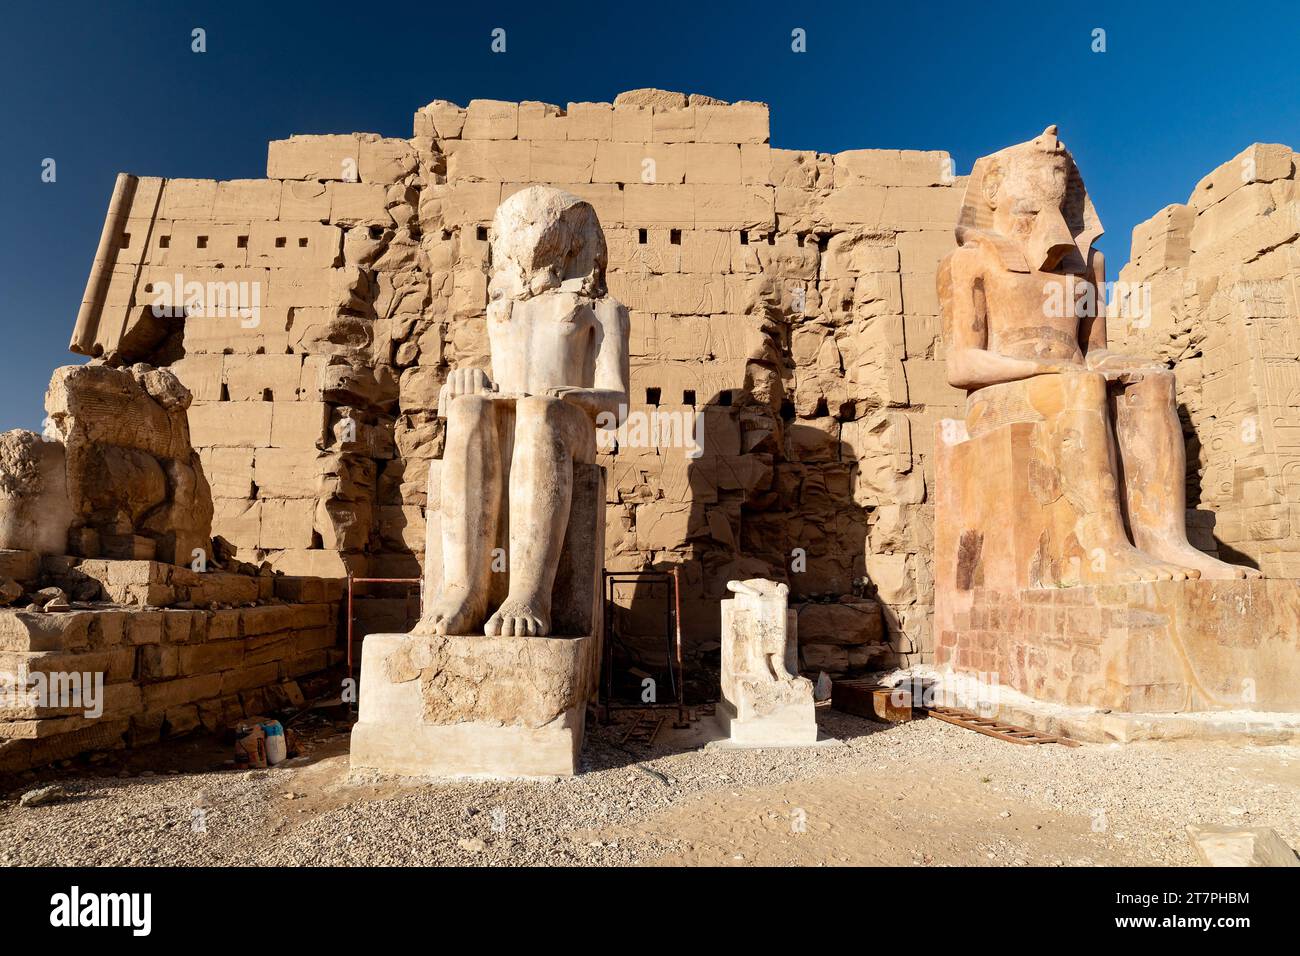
pixel 923 793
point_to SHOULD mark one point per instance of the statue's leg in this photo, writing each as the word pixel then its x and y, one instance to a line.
pixel 1154 461
pixel 471 497
pixel 1074 405
pixel 550 436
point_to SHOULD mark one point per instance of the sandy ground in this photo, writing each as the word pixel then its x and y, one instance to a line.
pixel 923 793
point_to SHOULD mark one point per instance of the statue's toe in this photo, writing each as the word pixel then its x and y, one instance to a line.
pixel 516 621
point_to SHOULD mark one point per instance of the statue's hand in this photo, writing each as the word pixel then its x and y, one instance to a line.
pixel 1054 367
pixel 463 381
pixel 1114 364
pixel 560 391
pixel 468 381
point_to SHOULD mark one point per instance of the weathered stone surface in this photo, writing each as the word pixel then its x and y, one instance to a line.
pixel 1238 846
pixel 158 668
pixel 733 259
pixel 559 363
pixel 765 703
pixel 1151 648
pixel 482 706
pixel 130 468
pixel 35 511
pixel 512 702
pixel 1062 567
pixel 1210 286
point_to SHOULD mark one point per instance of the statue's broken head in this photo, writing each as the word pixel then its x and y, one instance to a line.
pixel 543 239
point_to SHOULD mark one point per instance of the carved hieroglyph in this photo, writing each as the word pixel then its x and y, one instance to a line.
pixel 559 359
pixel 764 700
pixel 1026 333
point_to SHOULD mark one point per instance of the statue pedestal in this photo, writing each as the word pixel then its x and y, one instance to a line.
pixel 789 723
pixel 474 706
pixel 1157 648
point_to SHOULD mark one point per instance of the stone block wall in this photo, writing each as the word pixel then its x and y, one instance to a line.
pixel 783 298
pixel 175 650
pixel 1221 274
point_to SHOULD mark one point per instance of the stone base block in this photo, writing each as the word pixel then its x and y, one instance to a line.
pixel 794 725
pixel 1165 647
pixel 470 750
pixel 951 688
pixel 473 706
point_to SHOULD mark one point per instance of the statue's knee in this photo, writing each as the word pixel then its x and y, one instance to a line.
pixel 1160 380
pixel 540 409
pixel 1050 394
pixel 1085 388
pixel 470 404
pixel 468 410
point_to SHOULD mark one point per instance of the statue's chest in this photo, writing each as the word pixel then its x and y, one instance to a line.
pixel 542 328
pixel 1036 299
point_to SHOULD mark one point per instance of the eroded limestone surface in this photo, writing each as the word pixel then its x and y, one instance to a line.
pixel 764 700
pixel 518 681
pixel 35 512
pixel 1064 565
pixel 135 484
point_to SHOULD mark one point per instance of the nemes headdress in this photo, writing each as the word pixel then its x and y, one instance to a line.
pixel 975 221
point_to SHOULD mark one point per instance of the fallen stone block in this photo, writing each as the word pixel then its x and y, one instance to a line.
pixel 1240 846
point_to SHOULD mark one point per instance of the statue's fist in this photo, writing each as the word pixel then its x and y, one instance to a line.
pixel 463 381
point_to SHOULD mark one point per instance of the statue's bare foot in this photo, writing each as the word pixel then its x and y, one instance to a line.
pixel 520 618
pixel 1126 564
pixel 1212 569
pixel 453 613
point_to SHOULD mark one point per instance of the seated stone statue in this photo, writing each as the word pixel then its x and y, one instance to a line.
pixel 1108 442
pixel 559 358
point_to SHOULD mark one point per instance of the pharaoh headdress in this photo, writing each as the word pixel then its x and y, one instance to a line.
pixel 975 222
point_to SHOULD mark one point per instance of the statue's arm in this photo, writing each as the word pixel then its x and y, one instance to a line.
pixel 613 370
pixel 961 297
pixel 1097 356
pixel 1092 329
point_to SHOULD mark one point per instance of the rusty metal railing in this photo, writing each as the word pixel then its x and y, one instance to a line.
pixel 672 635
pixel 351 615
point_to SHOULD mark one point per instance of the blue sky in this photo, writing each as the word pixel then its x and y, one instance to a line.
pixel 104 87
